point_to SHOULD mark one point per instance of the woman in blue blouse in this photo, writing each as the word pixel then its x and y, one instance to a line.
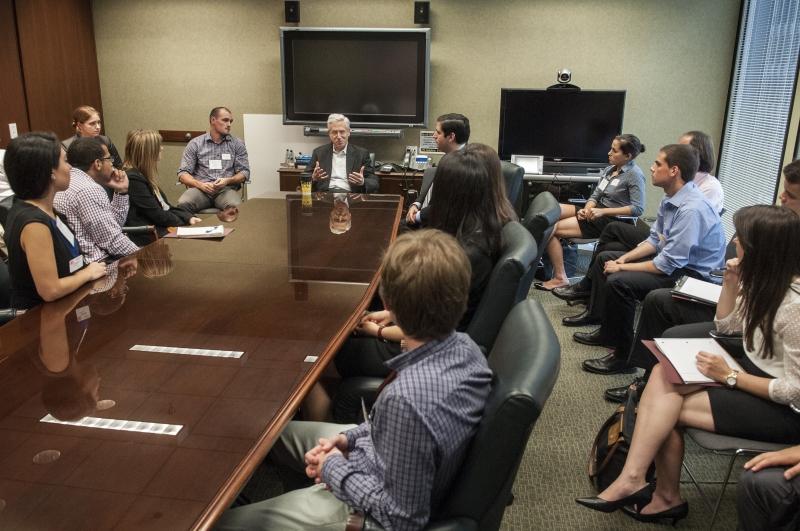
pixel 619 192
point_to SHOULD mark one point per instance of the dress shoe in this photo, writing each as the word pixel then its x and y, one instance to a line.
pixel 582 319
pixel 616 394
pixel 641 498
pixel 608 364
pixel 572 293
pixel 620 394
pixel 588 338
pixel 679 512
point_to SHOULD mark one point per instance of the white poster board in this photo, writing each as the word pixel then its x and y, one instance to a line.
pixel 267 140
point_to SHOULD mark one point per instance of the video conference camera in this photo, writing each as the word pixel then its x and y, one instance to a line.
pixel 564 75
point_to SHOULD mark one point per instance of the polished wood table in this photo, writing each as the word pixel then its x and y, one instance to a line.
pixel 149 403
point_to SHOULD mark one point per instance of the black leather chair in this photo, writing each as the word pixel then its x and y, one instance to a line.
pixel 509 283
pixel 525 361
pixel 541 217
pixel 512 175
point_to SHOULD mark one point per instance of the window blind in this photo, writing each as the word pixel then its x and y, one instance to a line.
pixel 761 92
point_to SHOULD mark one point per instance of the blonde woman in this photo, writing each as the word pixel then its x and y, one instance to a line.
pixel 148 204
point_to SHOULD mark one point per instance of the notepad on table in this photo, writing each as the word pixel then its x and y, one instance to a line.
pixel 216 231
pixel 678 358
pixel 697 290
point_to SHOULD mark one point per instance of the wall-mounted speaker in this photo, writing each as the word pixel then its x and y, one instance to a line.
pixel 292 10
pixel 422 12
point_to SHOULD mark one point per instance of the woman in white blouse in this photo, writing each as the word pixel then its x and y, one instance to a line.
pixel 761 298
pixel 707 183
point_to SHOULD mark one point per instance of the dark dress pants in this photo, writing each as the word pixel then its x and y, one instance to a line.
pixel 619 293
pixel 766 500
pixel 660 311
pixel 618 236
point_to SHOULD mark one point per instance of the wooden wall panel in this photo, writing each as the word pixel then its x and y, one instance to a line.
pixel 59 61
pixel 12 88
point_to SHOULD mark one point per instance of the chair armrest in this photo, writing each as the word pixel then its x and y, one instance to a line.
pixel 7 314
pixel 577 201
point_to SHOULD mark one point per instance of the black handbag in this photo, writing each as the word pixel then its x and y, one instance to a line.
pixel 610 448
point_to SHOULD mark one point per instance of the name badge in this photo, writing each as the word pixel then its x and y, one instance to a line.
pixel 615 182
pixel 76 263
pixel 65 231
pixel 83 313
pixel 226 156
pixel 215 164
pixel 602 185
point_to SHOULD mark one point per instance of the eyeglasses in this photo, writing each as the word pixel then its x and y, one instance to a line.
pixel 108 158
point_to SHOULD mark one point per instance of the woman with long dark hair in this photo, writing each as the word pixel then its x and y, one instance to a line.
pixel 470 204
pixel 761 298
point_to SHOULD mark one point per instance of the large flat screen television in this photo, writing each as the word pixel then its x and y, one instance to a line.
pixel 376 77
pixel 561 125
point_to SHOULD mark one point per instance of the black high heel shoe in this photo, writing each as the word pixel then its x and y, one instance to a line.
pixel 641 498
pixel 676 514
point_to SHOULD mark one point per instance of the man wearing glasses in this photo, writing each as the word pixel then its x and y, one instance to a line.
pixel 95 221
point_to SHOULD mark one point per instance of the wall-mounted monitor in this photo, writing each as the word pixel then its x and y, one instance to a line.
pixel 376 77
pixel 563 126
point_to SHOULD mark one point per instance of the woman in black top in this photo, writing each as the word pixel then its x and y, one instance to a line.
pixel 86 122
pixel 148 204
pixel 470 203
pixel 44 259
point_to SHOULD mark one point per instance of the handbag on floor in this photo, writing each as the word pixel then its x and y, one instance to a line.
pixel 611 445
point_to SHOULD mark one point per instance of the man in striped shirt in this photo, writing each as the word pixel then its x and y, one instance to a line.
pixel 399 463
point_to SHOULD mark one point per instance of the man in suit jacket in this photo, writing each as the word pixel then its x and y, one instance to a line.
pixel 451 134
pixel 341 166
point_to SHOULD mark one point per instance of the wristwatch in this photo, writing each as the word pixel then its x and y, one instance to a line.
pixel 730 380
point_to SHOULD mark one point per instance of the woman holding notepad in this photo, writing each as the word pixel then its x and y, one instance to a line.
pixel 761 298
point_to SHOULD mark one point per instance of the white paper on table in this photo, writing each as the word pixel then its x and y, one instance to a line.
pixel 216 230
pixel 682 354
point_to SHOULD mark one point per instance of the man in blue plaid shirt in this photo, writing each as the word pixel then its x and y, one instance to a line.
pixel 398 464
pixel 214 166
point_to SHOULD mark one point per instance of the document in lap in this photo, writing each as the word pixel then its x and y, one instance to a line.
pixel 678 357
pixel 697 290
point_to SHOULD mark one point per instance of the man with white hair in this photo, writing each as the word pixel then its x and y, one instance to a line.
pixel 341 166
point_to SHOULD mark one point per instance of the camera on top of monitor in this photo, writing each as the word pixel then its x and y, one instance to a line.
pixel 564 75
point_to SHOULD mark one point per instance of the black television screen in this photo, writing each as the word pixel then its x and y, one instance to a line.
pixel 561 125
pixel 376 77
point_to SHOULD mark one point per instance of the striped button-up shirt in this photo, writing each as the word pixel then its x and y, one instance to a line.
pixel 400 465
pixel 207 161
pixel 96 222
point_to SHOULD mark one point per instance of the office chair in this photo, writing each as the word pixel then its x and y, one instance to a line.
pixel 508 284
pixel 525 363
pixel 728 446
pixel 512 175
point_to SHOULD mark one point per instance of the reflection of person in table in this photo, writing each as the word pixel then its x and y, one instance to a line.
pixel 398 465
pixel 70 390
pixel 340 218
pixel 214 166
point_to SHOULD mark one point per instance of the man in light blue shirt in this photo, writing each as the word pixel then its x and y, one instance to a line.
pixel 686 239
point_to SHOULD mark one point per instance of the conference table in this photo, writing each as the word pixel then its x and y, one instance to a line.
pixel 147 399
